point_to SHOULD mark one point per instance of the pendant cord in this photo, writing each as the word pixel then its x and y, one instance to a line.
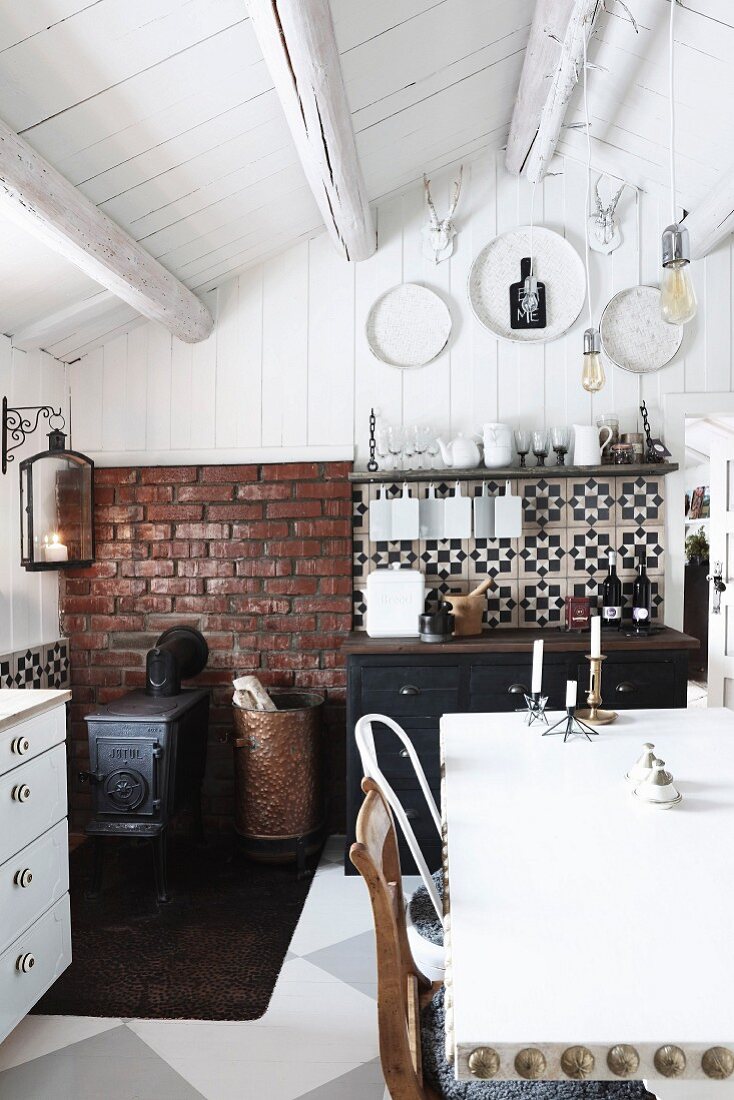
pixel 532 229
pixel 671 91
pixel 588 184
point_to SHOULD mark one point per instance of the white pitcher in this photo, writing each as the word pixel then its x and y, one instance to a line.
pixel 497 445
pixel 588 442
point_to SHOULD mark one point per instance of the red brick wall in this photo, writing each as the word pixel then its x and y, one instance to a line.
pixel 256 557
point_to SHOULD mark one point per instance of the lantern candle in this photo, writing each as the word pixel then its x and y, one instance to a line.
pixel 537 680
pixel 55 549
pixel 571 690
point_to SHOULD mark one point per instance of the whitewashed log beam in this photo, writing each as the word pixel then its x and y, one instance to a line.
pixel 62 324
pixel 713 218
pixel 560 86
pixel 39 198
pixel 542 55
pixel 299 47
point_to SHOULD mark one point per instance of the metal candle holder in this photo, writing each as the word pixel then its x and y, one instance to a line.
pixel 535 705
pixel 594 714
pixel 571 725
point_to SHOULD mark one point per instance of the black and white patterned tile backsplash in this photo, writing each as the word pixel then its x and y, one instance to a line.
pixel 38 666
pixel 568 526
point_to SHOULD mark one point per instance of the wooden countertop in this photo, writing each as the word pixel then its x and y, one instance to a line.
pixel 16 704
pixel 514 640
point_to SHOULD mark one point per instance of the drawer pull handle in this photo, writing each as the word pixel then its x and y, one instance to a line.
pixel 25 963
pixel 410 689
pixel 21 792
pixel 626 687
pixel 517 689
pixel 20 746
pixel 404 753
pixel 23 878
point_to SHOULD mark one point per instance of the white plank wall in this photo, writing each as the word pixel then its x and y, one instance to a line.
pixel 288 374
pixel 29 612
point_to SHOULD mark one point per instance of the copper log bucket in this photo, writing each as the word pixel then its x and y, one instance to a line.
pixel 278 766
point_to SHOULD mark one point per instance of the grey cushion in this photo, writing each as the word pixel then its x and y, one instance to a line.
pixel 423 914
pixel 440 1075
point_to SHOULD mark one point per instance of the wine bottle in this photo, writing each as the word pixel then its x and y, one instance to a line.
pixel 641 596
pixel 611 595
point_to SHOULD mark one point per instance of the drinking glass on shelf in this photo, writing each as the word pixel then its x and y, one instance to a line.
pixel 382 446
pixel 522 446
pixel 408 449
pixel 540 446
pixel 395 443
pixel 560 439
pixel 422 436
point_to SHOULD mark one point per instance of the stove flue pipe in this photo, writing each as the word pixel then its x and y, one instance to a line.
pixel 179 654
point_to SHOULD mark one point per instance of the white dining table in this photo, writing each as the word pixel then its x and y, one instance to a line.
pixel 589 934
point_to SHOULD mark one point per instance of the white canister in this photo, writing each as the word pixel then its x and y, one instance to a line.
pixel 395 599
pixel 497 445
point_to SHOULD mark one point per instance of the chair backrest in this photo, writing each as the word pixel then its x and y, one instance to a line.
pixel 375 855
pixel 365 738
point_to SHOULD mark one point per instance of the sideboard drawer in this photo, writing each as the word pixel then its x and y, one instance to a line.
pixel 26 740
pixel 32 881
pixel 502 687
pixel 32 799
pixel 402 690
pixel 418 814
pixel 24 980
pixel 393 758
pixel 628 684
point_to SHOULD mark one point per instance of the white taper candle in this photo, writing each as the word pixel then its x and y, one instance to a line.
pixel 596 636
pixel 571 691
pixel 537 680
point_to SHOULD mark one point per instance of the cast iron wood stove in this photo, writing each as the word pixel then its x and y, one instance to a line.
pixel 147 753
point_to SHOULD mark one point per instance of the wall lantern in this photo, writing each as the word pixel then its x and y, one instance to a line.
pixel 56 492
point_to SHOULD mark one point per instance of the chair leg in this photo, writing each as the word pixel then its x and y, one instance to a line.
pixel 160 853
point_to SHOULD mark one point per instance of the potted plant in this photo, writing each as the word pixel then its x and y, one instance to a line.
pixel 697 548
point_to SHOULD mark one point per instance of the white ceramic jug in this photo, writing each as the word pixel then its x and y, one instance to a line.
pixel 497 445
pixel 588 442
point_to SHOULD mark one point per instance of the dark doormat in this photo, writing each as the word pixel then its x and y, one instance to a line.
pixel 213 952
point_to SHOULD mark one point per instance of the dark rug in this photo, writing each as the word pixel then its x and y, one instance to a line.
pixel 213 952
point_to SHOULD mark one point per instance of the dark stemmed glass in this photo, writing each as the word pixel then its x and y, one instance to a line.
pixel 540 446
pixel 560 440
pixel 522 446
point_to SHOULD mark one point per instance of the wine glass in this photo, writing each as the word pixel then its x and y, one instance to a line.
pixel 408 449
pixel 560 439
pixel 382 446
pixel 433 451
pixel 395 443
pixel 540 446
pixel 522 446
pixel 422 436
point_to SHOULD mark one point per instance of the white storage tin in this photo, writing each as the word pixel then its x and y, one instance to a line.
pixel 395 599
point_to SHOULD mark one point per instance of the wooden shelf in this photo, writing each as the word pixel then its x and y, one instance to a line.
pixel 514 472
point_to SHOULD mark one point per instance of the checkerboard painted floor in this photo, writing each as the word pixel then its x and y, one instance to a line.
pixel 317 1041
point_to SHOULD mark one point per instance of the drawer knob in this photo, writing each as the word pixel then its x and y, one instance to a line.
pixel 23 878
pixel 626 687
pixel 410 689
pixel 517 689
pixel 20 746
pixel 404 753
pixel 25 963
pixel 21 792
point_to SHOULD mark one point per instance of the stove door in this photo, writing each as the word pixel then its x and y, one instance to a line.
pixel 125 775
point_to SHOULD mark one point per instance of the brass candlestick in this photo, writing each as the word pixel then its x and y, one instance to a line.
pixel 595 715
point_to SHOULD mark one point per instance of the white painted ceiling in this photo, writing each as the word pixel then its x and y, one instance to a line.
pixel 162 113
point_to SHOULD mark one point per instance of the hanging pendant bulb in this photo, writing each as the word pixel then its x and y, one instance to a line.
pixel 678 298
pixel 592 374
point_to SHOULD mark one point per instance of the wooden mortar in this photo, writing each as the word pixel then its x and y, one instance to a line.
pixel 468 610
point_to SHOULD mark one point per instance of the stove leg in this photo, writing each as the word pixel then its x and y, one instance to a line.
pixel 95 886
pixel 160 851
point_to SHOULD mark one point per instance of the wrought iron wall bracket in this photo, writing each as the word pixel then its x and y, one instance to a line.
pixel 18 423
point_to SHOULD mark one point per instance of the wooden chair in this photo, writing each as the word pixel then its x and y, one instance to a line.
pixel 402 989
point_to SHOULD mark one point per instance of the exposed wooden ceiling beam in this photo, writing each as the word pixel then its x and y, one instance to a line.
pixel 713 218
pixel 552 66
pixel 299 46
pixel 46 331
pixel 38 197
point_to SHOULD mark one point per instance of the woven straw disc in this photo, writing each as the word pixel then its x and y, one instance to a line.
pixel 556 263
pixel 408 326
pixel 633 333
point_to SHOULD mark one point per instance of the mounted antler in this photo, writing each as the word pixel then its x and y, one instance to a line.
pixel 605 233
pixel 440 232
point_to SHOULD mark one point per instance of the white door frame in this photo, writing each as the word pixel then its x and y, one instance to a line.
pixel 677 407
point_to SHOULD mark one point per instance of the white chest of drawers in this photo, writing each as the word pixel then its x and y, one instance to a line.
pixel 35 928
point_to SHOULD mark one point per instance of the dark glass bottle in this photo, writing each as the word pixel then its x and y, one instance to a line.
pixel 641 597
pixel 611 595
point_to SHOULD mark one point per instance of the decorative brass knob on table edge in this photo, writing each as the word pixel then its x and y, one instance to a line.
pixel 670 1061
pixel 718 1063
pixel 484 1062
pixel 623 1060
pixel 578 1063
pixel 530 1063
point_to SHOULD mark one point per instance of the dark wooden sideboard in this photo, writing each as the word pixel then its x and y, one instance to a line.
pixel 416 683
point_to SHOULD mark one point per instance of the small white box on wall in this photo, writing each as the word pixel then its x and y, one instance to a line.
pixel 395 600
